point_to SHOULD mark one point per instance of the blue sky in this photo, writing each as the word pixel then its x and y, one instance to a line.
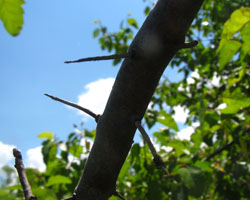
pixel 32 64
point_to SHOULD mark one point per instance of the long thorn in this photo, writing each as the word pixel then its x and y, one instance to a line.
pixel 96 117
pixel 157 159
pixel 97 58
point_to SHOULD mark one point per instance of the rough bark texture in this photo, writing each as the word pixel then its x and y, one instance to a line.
pixel 160 37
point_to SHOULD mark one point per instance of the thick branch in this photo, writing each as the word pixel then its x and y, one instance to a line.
pixel 154 46
pixel 22 175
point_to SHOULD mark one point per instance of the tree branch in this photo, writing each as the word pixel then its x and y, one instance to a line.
pixel 225 147
pixel 188 45
pixel 152 49
pixel 22 175
pixel 157 159
pixel 98 58
pixel 117 194
pixel 96 117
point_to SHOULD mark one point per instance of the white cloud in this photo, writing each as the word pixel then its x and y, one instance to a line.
pixel 181 114
pixel 185 133
pixel 96 95
pixel 35 159
pixel 195 74
pixel 6 154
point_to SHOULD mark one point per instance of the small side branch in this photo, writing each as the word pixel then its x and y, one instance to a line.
pixel 188 45
pixel 117 194
pixel 98 58
pixel 96 117
pixel 218 151
pixel 225 147
pixel 157 159
pixel 22 175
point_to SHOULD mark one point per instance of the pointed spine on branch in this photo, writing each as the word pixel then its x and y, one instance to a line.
pixel 98 58
pixel 22 175
pixel 85 110
pixel 157 159
pixel 188 45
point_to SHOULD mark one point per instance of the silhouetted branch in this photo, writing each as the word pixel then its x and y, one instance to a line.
pixel 117 194
pixel 22 175
pixel 96 117
pixel 157 159
pixel 225 147
pixel 188 45
pixel 98 58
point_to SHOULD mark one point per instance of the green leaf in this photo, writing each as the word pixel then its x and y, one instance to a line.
pixel 238 19
pixel 44 193
pixel 58 179
pixel 179 147
pixel 245 33
pixel 135 152
pixel 11 14
pixel 96 32
pixel 230 48
pixel 133 22
pixel 46 135
pixel 234 104
pixel 194 179
pixel 76 150
pixel 167 120
pixel 147 10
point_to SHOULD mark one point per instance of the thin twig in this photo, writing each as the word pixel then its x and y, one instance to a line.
pixel 157 159
pixel 22 175
pixel 188 45
pixel 71 198
pixel 225 147
pixel 98 58
pixel 117 194
pixel 96 117
pixel 218 151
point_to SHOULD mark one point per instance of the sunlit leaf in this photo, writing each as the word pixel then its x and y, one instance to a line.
pixel 58 179
pixel 167 120
pixel 238 19
pixel 235 104
pixel 245 33
pixel 76 150
pixel 46 135
pixel 133 22
pixel 230 48
pixel 11 14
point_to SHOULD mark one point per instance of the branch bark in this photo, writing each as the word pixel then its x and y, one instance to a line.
pixel 22 175
pixel 158 40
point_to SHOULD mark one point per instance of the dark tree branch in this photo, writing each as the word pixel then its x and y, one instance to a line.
pixel 152 49
pixel 157 159
pixel 96 117
pixel 225 147
pixel 98 58
pixel 218 151
pixel 22 175
pixel 188 45
pixel 117 194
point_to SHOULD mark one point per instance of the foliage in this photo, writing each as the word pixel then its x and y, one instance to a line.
pixel 214 91
pixel 11 14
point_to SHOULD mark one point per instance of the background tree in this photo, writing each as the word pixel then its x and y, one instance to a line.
pixel 214 163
